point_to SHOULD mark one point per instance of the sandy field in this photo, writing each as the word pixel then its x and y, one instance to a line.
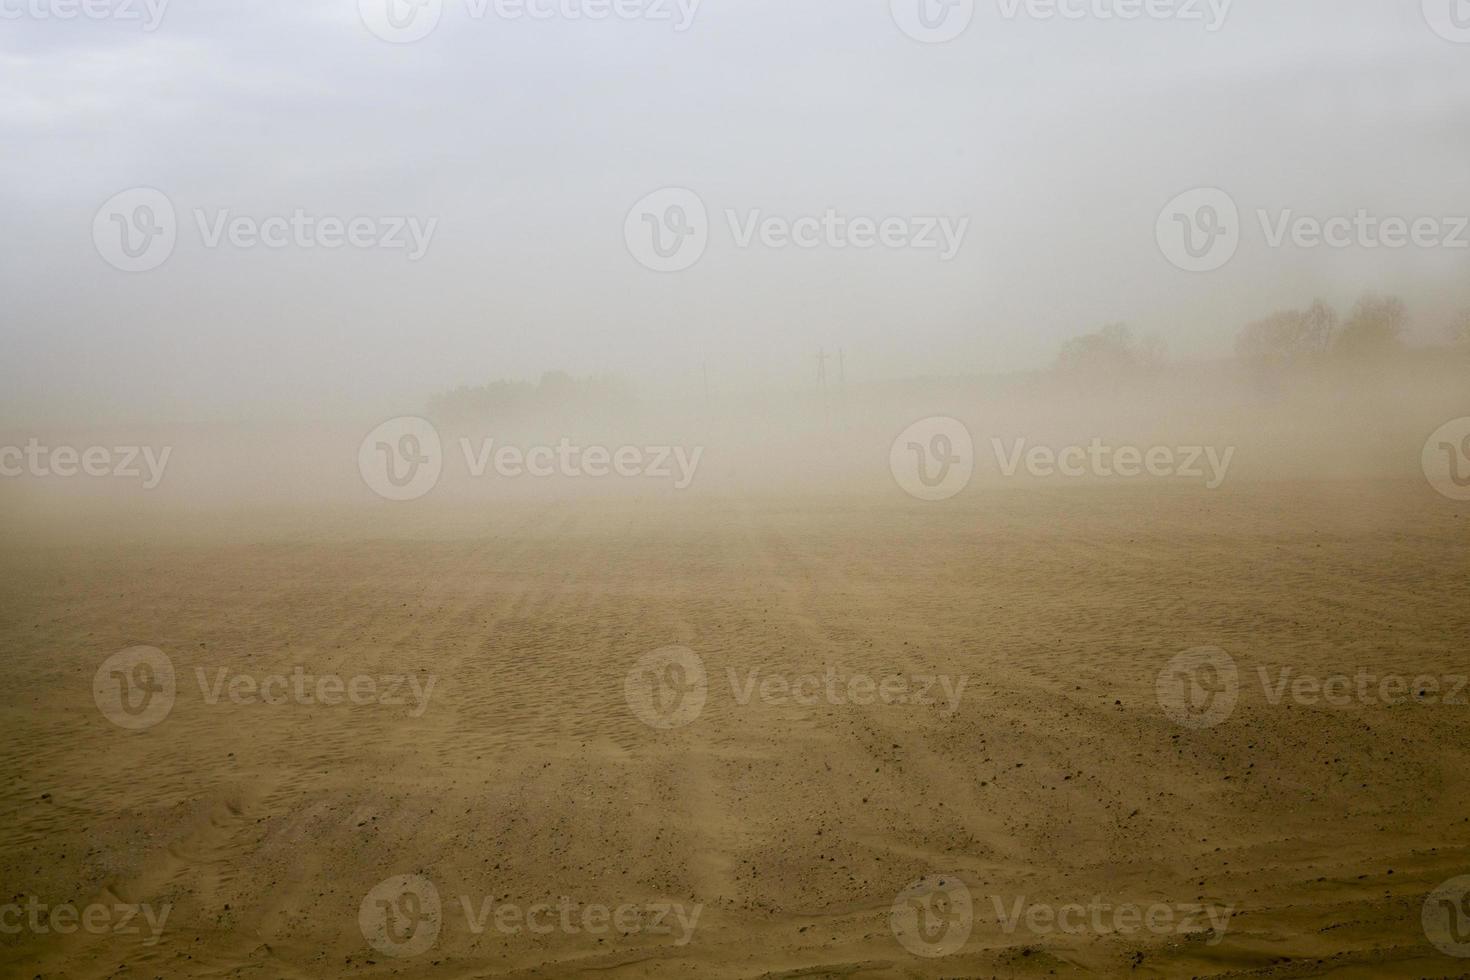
pixel 997 724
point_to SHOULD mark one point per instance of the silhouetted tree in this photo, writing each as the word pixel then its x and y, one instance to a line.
pixel 557 394
pixel 1112 352
pixel 1287 339
pixel 1374 329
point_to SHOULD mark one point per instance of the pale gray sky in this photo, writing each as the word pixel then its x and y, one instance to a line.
pixel 529 141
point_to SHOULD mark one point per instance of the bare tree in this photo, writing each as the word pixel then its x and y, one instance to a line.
pixel 1374 329
pixel 1287 339
pixel 557 393
pixel 1112 352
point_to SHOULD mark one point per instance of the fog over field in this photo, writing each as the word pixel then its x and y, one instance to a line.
pixel 1325 415
pixel 526 142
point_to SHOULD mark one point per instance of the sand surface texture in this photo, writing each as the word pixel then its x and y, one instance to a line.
pixel 1026 755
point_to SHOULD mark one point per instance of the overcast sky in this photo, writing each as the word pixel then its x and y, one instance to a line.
pixel 529 141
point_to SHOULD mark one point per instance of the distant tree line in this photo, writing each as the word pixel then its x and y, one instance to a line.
pixel 1111 353
pixel 1290 339
pixel 1373 330
pixel 556 394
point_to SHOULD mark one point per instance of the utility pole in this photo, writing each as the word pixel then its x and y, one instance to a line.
pixel 822 382
pixel 842 386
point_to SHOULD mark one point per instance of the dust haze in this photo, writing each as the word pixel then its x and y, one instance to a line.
pixel 667 488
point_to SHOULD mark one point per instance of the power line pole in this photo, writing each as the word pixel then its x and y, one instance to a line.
pixel 842 385
pixel 822 382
